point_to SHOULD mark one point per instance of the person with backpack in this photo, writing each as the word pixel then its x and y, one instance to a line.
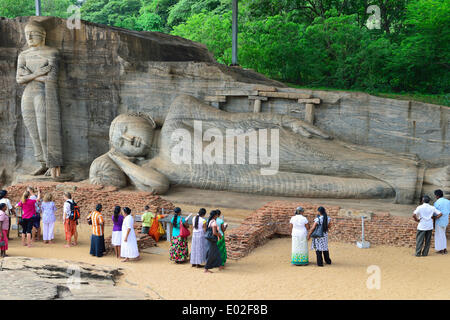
pixel 71 214
pixel 319 233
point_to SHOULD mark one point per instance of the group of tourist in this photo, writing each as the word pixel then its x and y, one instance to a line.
pixel 432 217
pixel 208 248
pixel 301 232
pixel 428 217
pixel 123 238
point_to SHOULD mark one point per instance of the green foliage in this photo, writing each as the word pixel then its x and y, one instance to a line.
pixel 315 43
pixel 264 43
pixel 212 30
pixel 422 61
pixel 184 9
pixel 15 8
pixel 119 13
pixel 149 21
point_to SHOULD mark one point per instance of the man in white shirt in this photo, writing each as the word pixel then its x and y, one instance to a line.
pixel 424 215
pixel 9 208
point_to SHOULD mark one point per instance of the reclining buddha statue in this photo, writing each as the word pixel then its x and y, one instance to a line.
pixel 309 162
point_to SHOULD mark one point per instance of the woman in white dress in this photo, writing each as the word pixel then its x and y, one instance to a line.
pixel 299 231
pixel 198 247
pixel 129 249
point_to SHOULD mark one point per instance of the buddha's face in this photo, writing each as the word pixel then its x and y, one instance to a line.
pixel 131 135
pixel 35 36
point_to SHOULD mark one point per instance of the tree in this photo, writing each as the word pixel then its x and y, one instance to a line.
pixel 421 62
pixel 211 29
pixel 119 13
pixel 17 8
pixel 184 9
pixel 149 21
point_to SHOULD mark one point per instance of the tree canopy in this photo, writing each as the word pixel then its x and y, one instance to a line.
pixel 314 43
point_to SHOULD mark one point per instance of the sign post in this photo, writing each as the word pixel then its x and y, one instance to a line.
pixel 38 7
pixel 234 58
pixel 363 244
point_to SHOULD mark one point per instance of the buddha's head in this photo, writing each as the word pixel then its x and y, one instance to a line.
pixel 132 135
pixel 35 34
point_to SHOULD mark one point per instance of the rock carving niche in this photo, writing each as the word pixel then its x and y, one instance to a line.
pixel 37 69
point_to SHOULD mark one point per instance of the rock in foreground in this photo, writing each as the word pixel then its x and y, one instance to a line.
pixel 51 279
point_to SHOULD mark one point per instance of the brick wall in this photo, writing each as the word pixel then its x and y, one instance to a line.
pixel 273 219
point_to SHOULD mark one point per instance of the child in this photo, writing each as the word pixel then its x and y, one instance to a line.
pixel 4 224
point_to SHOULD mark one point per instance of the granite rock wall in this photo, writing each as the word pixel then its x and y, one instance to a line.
pixel 106 71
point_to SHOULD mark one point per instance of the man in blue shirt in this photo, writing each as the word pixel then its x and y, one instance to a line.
pixel 443 205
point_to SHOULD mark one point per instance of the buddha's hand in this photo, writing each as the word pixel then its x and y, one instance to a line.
pixel 303 128
pixel 42 71
pixel 115 154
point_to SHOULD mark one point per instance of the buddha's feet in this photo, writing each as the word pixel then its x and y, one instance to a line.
pixel 42 170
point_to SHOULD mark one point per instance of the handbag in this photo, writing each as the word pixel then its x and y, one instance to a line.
pixel 210 235
pixel 318 231
pixel 184 232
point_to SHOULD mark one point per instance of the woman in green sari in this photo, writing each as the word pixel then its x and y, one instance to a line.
pixel 221 243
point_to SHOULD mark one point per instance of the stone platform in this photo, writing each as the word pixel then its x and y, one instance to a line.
pixel 50 279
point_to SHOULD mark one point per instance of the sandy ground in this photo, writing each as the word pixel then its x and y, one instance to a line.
pixel 266 273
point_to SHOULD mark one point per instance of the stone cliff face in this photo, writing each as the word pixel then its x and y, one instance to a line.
pixel 106 71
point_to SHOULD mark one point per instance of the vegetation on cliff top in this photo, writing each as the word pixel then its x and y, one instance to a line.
pixel 310 43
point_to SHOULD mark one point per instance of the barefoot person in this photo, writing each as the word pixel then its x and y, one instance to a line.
pixel 320 243
pixel 443 205
pixel 179 251
pixel 116 238
pixel 29 210
pixel 97 237
pixel 129 249
pixel 424 216
pixel 70 226
pixel 4 225
pixel 48 218
pixel 222 226
pixel 198 246
pixel 299 232
pixel 9 208
pixel 213 258
pixel 36 231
